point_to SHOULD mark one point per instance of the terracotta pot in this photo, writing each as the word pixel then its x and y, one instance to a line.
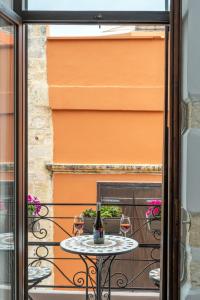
pixel 111 225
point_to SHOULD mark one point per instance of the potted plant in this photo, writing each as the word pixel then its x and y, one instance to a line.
pixel 111 216
pixel 34 208
pixel 153 214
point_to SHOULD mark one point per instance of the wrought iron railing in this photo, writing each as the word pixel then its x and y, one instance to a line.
pixel 130 271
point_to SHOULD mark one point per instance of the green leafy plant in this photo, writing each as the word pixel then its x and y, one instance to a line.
pixel 89 213
pixel 106 212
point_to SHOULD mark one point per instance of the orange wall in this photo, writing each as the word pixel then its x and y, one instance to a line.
pixel 106 96
pixel 104 91
pixel 107 136
pixel 106 61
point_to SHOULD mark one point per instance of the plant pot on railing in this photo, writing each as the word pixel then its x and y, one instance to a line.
pixel 153 216
pixel 110 215
pixel 33 224
pixel 154 224
pixel 34 208
pixel 111 225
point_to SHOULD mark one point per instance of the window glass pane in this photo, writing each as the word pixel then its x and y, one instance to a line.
pixel 8 3
pixel 7 193
pixel 96 5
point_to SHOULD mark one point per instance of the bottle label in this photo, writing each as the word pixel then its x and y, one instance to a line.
pixel 98 236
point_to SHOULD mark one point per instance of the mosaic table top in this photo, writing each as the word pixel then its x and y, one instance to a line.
pixel 113 245
pixel 38 273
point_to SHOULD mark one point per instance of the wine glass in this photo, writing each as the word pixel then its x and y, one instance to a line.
pixel 78 223
pixel 125 224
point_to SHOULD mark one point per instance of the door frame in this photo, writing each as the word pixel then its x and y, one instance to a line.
pixel 19 152
pixel 170 241
pixel 174 180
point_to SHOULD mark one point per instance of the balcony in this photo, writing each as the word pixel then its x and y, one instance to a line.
pixel 130 272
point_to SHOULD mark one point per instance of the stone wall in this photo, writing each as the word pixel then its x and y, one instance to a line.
pixel 40 129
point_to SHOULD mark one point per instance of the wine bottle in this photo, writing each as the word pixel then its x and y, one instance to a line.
pixel 98 230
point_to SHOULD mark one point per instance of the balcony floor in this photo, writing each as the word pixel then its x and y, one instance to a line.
pixel 79 295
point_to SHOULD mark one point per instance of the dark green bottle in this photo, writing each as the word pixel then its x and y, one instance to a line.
pixel 98 230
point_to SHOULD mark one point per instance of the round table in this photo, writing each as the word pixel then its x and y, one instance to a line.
pixel 97 256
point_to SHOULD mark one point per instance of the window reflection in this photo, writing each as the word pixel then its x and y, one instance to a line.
pixel 94 5
pixel 6 159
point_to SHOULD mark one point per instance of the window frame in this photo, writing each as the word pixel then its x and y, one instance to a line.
pixel 92 17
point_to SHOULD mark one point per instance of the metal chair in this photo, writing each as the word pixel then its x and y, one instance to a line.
pixel 154 275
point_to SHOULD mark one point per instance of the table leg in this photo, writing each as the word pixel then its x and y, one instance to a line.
pixel 100 285
pixel 109 283
pixel 109 276
pixel 98 263
pixel 86 277
pixel 98 280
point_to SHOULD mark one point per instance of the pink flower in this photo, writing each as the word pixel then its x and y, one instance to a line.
pixel 30 198
pixel 155 202
pixel 148 212
pixel 156 211
pixel 34 205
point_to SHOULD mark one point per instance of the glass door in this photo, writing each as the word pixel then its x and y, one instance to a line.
pixel 11 166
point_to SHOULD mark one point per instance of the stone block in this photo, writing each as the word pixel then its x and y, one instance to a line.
pixel 194 239
pixel 195 274
pixel 195 114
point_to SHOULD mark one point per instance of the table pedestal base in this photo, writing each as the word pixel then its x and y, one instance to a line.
pixel 96 266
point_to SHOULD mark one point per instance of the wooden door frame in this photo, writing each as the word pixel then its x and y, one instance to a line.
pixel 174 195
